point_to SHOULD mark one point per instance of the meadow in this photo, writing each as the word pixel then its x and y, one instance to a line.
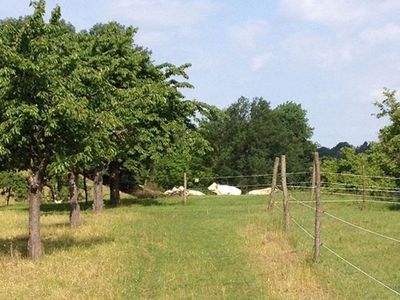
pixel 211 248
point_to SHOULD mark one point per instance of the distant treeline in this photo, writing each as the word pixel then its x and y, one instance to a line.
pixel 336 152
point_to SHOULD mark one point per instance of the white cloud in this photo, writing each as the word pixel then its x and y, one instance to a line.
pixel 386 33
pixel 340 12
pixel 151 38
pixel 158 13
pixel 259 61
pixel 248 35
pixel 318 50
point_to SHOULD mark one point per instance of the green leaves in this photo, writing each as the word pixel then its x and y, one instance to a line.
pixel 250 134
pixel 388 148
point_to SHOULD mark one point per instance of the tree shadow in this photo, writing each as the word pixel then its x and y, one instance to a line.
pixel 17 246
pixel 62 207
pixel 144 202
pixel 50 208
pixel 137 201
pixel 394 207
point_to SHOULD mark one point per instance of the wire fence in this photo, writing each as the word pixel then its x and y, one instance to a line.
pixel 353 190
pixel 358 192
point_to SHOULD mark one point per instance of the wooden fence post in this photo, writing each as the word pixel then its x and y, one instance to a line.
pixel 184 188
pixel 285 194
pixel 313 182
pixel 273 185
pixel 364 185
pixel 317 232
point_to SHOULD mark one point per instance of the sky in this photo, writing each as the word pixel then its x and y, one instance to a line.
pixel 334 57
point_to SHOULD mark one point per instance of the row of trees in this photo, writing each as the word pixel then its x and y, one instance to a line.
pixel 378 159
pixel 92 100
pixel 94 103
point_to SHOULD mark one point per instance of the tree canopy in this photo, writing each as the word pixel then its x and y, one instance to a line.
pixel 250 134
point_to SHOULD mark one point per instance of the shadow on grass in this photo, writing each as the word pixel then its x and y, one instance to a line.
pixel 62 207
pixel 137 201
pixel 65 206
pixel 394 206
pixel 17 246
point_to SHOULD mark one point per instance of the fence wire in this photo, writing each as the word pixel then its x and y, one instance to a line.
pixel 344 259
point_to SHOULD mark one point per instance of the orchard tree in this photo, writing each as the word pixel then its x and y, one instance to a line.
pixel 144 98
pixel 40 115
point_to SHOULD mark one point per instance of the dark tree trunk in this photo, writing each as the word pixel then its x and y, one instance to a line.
pixel 98 190
pixel 74 214
pixel 53 193
pixel 114 184
pixel 8 196
pixel 85 187
pixel 35 184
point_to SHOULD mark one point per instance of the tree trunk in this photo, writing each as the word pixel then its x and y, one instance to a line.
pixel 8 196
pixel 114 184
pixel 35 188
pixel 53 193
pixel 98 191
pixel 85 187
pixel 74 214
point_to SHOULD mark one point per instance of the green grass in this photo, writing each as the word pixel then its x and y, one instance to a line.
pixel 375 255
pixel 212 248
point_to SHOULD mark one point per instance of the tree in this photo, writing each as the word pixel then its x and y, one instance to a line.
pixel 366 166
pixel 143 97
pixel 388 147
pixel 295 136
pixel 40 114
pixel 250 134
pixel 13 184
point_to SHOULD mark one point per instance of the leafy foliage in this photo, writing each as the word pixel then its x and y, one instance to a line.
pixel 388 147
pixel 13 184
pixel 366 165
pixel 250 134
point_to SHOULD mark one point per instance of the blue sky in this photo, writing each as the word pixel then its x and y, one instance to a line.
pixel 332 56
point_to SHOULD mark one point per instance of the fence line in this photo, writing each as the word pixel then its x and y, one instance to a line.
pixel 356 189
pixel 346 261
pixel 329 201
pixel 349 223
pixel 361 228
pixel 357 175
pixel 297 173
pixel 373 187
pixel 236 176
pixel 383 202
pixel 360 270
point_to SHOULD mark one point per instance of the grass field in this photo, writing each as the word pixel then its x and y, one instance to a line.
pixel 212 248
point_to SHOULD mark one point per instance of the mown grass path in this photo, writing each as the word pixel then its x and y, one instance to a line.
pixel 195 251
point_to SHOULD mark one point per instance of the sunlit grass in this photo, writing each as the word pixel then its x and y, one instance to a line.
pixel 375 255
pixel 211 248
